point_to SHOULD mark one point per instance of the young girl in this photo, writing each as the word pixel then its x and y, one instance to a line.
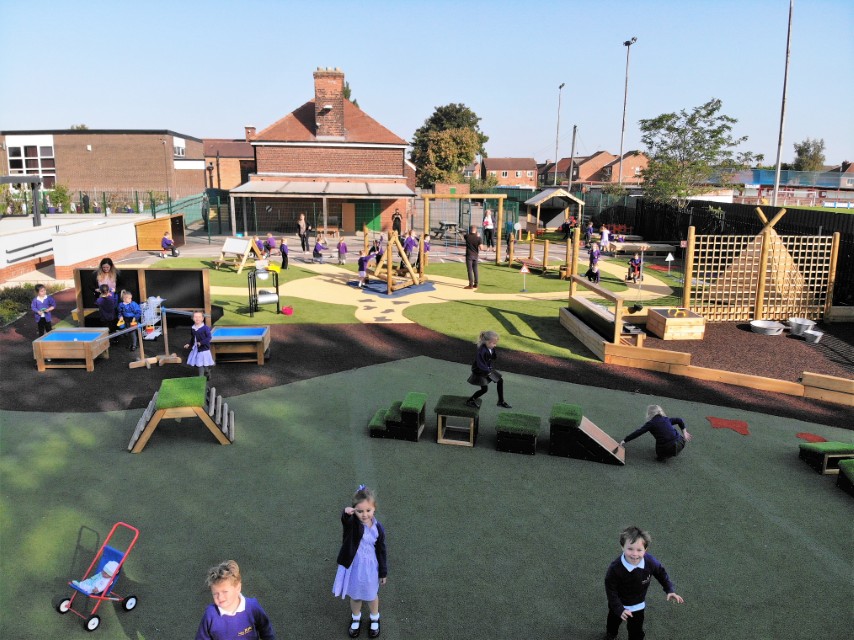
pixel 482 370
pixel 200 355
pixel 342 251
pixel 42 305
pixel 363 268
pixel 168 244
pixel 362 565
pixel 106 304
pixel 593 272
pixel 283 251
pixel 269 244
pixel 319 247
pixel 232 615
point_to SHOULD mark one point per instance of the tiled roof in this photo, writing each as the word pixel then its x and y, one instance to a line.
pixel 228 148
pixel 299 126
pixel 504 164
pixel 628 154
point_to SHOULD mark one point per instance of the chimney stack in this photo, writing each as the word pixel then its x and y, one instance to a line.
pixel 329 103
pixel 250 133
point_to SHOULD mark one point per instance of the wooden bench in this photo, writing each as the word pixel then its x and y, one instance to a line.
pixel 825 457
pixel 517 432
pixel 845 479
pixel 453 415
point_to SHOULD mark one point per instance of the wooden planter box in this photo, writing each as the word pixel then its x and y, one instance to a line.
pixel 676 324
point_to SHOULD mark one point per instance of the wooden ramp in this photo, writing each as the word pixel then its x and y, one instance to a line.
pixel 588 442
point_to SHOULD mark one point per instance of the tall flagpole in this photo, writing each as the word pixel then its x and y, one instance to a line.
pixel 783 107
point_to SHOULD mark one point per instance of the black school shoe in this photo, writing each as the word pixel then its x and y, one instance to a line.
pixel 371 632
pixel 504 405
pixel 354 633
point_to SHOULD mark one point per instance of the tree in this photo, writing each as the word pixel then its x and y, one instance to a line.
pixel 348 93
pixel 79 127
pixel 809 155
pixel 446 142
pixel 476 185
pixel 691 153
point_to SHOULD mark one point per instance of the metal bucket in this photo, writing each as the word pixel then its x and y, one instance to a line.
pixel 812 336
pixel 766 327
pixel 798 325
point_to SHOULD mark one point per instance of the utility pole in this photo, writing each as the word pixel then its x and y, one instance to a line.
pixel 628 45
pixel 783 107
pixel 557 135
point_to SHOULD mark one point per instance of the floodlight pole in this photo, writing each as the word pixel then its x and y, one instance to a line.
pixel 628 45
pixel 557 134
pixel 783 107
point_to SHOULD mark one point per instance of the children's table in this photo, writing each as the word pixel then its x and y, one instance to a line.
pixel 249 344
pixel 65 348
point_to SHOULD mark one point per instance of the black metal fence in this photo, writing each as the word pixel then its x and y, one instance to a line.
pixel 661 222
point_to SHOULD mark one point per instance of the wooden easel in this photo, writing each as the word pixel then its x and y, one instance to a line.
pixel 236 251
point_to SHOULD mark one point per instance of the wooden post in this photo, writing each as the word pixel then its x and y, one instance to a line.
pixel 365 236
pixel 573 265
pixel 426 215
pixel 618 321
pixel 759 303
pixel 389 277
pixel 545 256
pixel 510 249
pixel 689 269
pixel 499 226
pixel 831 276
pixel 568 254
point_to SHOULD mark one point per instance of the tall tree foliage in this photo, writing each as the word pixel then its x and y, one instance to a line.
pixel 691 153
pixel 348 92
pixel 446 142
pixel 809 155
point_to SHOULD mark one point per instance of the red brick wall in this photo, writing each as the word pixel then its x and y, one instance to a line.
pixel 330 160
pixel 20 268
pixel 441 188
pixel 511 180
pixel 329 90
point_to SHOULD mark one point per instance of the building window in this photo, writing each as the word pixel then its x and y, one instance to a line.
pixel 530 174
pixel 637 171
pixel 33 160
pixel 179 152
pixel 518 174
pixel 503 174
pixel 492 173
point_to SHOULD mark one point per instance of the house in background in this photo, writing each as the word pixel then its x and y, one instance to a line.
pixel 634 162
pixel 512 172
pixel 585 169
pixel 471 171
pixel 228 162
pixel 329 160
pixel 107 160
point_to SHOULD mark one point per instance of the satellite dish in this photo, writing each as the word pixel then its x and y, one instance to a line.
pixel 517 226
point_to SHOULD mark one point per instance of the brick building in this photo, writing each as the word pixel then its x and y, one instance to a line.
pixel 328 159
pixel 102 160
pixel 229 163
pixel 585 169
pixel 634 162
pixel 512 172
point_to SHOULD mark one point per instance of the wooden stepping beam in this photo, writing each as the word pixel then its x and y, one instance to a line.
pixel 179 398
pixel 211 408
pixel 454 416
pixel 230 433
pixel 517 432
pixel 845 479
pixel 825 457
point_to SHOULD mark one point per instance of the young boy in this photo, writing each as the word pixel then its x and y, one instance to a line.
pixel 231 615
pixel 363 268
pixel 634 268
pixel 283 251
pixel 42 305
pixel 168 244
pixel 129 313
pixel 627 581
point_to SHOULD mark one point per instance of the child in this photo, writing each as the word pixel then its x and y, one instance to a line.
pixel 106 304
pixel 627 581
pixel 363 268
pixel 593 272
pixel 588 234
pixel 232 615
pixel 270 244
pixel 200 355
pixel 129 316
pixel 42 305
pixel 259 244
pixel 669 442
pixel 376 250
pixel 362 565
pixel 319 246
pixel 168 244
pixel 425 251
pixel 283 251
pixel 482 370
pixel 605 238
pixel 634 268
pixel 409 243
pixel 342 251
pixel 97 582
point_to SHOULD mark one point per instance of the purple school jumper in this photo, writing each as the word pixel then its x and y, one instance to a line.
pixel 250 624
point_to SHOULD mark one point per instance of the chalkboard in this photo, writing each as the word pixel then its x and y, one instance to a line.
pixel 180 288
pixel 125 279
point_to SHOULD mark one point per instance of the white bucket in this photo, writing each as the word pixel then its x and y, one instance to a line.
pixel 812 336
pixel 799 325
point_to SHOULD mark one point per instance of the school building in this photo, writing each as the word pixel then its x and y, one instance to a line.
pixel 329 160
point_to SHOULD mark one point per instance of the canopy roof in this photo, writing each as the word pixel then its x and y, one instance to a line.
pixel 552 192
pixel 292 189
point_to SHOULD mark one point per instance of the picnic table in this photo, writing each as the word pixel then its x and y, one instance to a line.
pixel 445 229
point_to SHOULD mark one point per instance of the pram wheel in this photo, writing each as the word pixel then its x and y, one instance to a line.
pixel 129 603
pixel 92 623
pixel 64 606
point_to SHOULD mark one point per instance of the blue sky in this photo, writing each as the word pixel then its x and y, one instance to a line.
pixel 206 69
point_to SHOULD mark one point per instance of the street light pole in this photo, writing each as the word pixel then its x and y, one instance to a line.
pixel 628 45
pixel 557 134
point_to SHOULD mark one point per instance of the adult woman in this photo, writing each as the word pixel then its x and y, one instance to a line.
pixel 488 229
pixel 106 274
pixel 302 231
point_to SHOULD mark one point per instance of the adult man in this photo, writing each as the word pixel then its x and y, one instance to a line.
pixel 473 246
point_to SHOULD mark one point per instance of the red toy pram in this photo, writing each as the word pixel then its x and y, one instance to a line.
pixel 106 554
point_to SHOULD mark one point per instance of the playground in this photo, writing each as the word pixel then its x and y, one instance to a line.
pixel 482 544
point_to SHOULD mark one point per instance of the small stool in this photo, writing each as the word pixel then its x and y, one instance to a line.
pixel 517 432
pixel 564 419
pixel 824 457
pixel 453 414
pixel 845 479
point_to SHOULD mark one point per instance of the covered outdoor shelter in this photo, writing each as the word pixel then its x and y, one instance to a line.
pixel 553 198
pixel 341 204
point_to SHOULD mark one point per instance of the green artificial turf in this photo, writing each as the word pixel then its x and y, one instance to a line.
pixel 236 312
pixel 227 276
pixel 182 392
pixel 828 447
pixel 413 402
pixel 846 467
pixel 503 279
pixel 481 545
pixel 524 325
pixel 451 405
pixel 523 423
pixel 565 414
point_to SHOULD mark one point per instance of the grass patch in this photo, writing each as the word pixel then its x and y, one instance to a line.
pixel 236 312
pixel 228 276
pixel 531 326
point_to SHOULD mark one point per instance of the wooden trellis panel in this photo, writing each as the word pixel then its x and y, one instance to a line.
pixel 725 276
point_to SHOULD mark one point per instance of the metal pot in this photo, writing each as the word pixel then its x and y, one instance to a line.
pixel 798 325
pixel 767 327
